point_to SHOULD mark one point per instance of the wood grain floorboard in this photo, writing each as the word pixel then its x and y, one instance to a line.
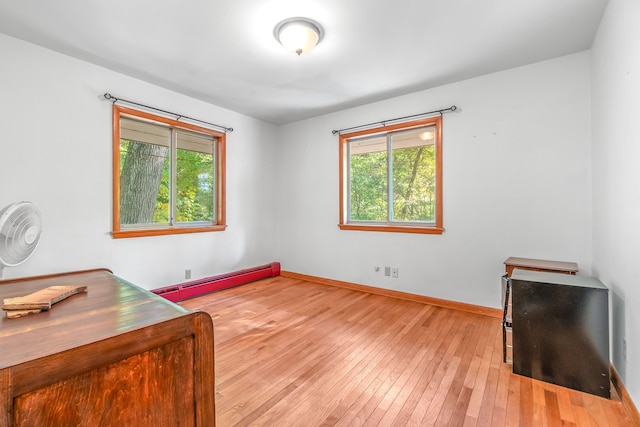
pixel 290 352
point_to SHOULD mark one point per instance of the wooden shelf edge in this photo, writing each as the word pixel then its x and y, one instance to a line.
pixel 461 306
pixel 625 398
pixel 48 276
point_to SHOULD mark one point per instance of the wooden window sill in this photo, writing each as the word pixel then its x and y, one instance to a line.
pixel 122 234
pixel 393 228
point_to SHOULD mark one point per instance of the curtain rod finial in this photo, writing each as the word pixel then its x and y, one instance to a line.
pixel 110 97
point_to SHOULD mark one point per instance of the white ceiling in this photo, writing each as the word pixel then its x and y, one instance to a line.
pixel 224 51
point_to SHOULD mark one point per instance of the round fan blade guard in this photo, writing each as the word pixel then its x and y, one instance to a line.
pixel 20 228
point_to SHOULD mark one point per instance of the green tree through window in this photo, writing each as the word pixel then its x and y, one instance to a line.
pixel 391 178
pixel 170 176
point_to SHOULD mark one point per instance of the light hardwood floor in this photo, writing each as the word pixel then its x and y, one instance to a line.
pixel 295 353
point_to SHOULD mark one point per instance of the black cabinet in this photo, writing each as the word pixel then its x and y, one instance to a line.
pixel 560 328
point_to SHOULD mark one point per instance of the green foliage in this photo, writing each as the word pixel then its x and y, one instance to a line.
pixel 195 186
pixel 161 213
pixel 414 179
pixel 414 183
pixel 369 187
pixel 124 148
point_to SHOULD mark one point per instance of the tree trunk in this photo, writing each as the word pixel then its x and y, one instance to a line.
pixel 139 182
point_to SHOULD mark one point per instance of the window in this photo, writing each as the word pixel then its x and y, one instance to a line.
pixel 391 178
pixel 168 176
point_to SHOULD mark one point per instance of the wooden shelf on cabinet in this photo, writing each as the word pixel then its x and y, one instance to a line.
pixel 540 265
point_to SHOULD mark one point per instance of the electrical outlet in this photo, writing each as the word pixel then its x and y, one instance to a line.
pixel 624 348
pixel 394 272
pixel 187 273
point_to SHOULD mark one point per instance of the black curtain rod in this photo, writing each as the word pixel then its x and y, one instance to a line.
pixel 397 119
pixel 113 99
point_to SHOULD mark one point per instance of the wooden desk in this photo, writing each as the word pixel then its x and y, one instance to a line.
pixel 116 355
pixel 540 265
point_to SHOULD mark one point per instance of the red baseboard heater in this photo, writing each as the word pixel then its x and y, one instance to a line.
pixel 194 288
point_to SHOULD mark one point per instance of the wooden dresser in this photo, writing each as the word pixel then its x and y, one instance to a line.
pixel 116 355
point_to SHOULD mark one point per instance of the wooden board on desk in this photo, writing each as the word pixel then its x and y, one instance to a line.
pixel 540 265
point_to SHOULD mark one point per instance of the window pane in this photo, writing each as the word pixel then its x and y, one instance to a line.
pixel 414 175
pixel 195 178
pixel 368 179
pixel 169 176
pixel 144 173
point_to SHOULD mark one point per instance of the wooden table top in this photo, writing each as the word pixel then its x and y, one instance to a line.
pixel 542 264
pixel 110 307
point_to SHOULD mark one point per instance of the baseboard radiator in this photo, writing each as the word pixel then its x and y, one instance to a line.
pixel 194 288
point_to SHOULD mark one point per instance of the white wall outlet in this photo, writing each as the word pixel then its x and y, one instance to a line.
pixel 394 272
pixel 187 273
pixel 624 348
pixel 387 271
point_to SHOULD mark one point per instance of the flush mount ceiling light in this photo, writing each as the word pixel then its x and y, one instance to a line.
pixel 298 35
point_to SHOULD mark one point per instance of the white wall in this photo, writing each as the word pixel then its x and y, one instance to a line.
pixel 516 183
pixel 55 150
pixel 616 178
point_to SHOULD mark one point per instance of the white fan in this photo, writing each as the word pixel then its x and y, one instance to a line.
pixel 20 229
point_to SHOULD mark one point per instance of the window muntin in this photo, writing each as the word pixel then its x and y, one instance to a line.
pixel 391 178
pixel 168 176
